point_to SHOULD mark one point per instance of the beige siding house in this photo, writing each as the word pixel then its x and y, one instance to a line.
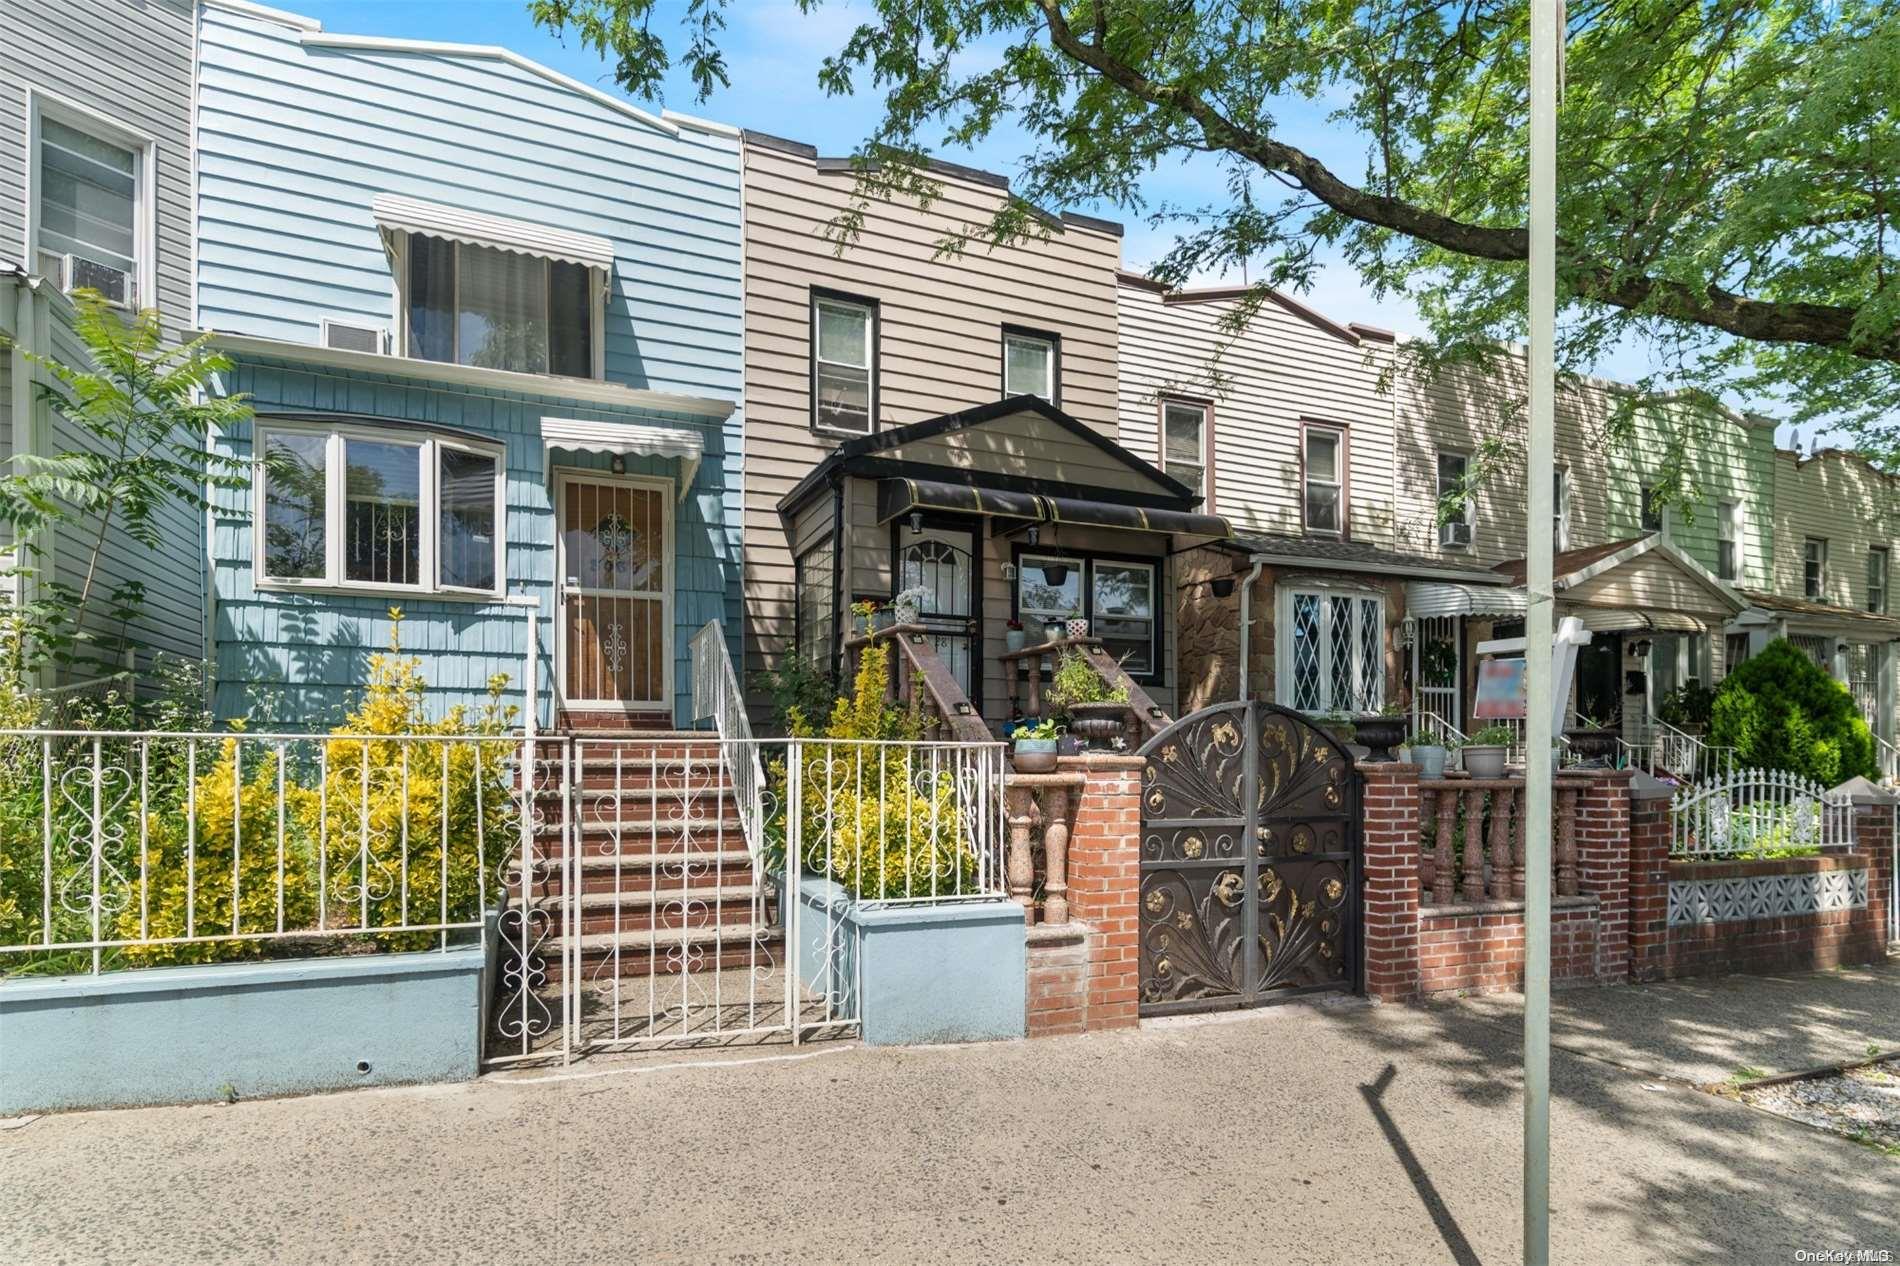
pixel 943 423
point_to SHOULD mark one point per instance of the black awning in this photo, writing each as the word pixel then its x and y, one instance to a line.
pixel 1134 518
pixel 898 497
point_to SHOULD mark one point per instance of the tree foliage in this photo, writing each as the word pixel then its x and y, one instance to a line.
pixel 1780 710
pixel 1727 170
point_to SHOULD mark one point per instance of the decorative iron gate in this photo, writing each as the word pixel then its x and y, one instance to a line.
pixel 1249 861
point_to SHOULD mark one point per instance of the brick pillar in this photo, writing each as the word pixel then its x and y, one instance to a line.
pixel 1603 865
pixel 1105 883
pixel 1390 866
pixel 1874 827
pixel 1649 882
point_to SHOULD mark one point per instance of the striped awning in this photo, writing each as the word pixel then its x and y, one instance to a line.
pixel 1624 620
pixel 626 439
pixel 1427 598
pixel 897 497
pixel 476 228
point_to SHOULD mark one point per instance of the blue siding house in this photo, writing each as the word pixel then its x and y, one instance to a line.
pixel 489 319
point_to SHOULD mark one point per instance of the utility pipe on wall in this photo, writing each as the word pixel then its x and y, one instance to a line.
pixel 1246 624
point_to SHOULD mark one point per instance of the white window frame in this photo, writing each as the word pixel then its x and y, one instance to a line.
pixel 1341 467
pixel 1816 592
pixel 1446 539
pixel 399 266
pixel 1205 465
pixel 1051 360
pixel 1728 531
pixel 1884 556
pixel 1284 674
pixel 818 303
pixel 1560 510
pixel 41 104
pixel 335 512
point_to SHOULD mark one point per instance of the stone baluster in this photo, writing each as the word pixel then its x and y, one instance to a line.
pixel 1474 845
pixel 1020 867
pixel 1503 801
pixel 1444 869
pixel 1517 848
pixel 1566 841
pixel 1055 854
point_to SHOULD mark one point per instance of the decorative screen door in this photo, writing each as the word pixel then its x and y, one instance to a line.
pixel 616 621
pixel 940 563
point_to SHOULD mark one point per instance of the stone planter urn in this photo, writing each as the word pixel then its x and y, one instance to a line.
pixel 1379 735
pixel 1100 723
pixel 1593 742
pixel 1034 756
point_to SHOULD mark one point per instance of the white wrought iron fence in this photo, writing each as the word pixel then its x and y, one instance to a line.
pixel 123 849
pixel 1758 812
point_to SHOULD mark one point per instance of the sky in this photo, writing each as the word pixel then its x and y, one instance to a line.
pixel 773 53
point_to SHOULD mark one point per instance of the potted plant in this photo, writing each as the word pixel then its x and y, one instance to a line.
pixel 1592 739
pixel 909 604
pixel 1035 746
pixel 1484 752
pixel 1051 631
pixel 1428 753
pixel 1077 628
pixel 1096 711
pixel 1380 733
pixel 1013 636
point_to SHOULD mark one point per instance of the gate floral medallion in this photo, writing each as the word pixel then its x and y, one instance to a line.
pixel 1249 835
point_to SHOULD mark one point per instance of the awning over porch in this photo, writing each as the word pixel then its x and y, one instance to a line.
pixel 898 497
pixel 1614 620
pixel 1807 616
pixel 1426 599
pixel 627 439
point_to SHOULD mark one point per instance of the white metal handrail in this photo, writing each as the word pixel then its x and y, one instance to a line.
pixel 1889 756
pixel 717 697
pixel 1754 811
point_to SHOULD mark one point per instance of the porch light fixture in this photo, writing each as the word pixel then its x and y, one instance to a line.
pixel 1639 649
pixel 1408 630
pixel 618 464
pixel 1034 534
pixel 916 522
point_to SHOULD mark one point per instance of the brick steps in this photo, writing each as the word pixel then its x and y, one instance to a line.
pixel 647 952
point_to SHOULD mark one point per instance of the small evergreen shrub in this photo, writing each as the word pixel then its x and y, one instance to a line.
pixel 1780 710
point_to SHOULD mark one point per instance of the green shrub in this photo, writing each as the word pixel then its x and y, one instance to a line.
pixel 796 685
pixel 1075 680
pixel 1780 710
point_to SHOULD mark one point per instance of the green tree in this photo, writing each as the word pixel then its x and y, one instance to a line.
pixel 1779 710
pixel 147 414
pixel 1727 171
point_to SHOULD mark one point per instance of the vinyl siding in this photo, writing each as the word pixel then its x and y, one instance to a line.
pixel 297 140
pixel 939 339
pixel 128 61
pixel 1841 499
pixel 1281 371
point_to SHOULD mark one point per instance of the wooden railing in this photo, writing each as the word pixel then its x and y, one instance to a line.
pixel 1477 845
pixel 1147 713
pixel 920 680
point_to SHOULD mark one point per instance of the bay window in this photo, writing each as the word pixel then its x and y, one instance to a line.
pixel 363 508
pixel 497 309
pixel 1333 646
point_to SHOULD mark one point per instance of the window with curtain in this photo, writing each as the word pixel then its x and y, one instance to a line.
pixel 1029 365
pixel 1877 579
pixel 495 309
pixel 1728 540
pixel 466 512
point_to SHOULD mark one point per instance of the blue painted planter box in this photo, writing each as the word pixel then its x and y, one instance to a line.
pixel 191 1034
pixel 954 972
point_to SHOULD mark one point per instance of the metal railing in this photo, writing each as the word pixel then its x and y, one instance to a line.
pixel 1665 751
pixel 717 697
pixel 898 822
pixel 1758 812
pixel 1889 756
pixel 128 849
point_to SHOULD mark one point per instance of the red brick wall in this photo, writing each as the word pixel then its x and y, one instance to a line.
pixel 1603 871
pixel 1058 979
pixel 1105 884
pixel 1390 864
pixel 1649 885
pixel 1482 947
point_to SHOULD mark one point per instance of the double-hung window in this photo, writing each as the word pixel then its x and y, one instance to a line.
pixel 91 204
pixel 1651 510
pixel 1031 364
pixel 1814 568
pixel 1324 450
pixel 360 507
pixel 1117 596
pixel 843 364
pixel 1560 510
pixel 1334 649
pixel 496 309
pixel 1186 439
pixel 1877 579
pixel 1728 540
pixel 1454 501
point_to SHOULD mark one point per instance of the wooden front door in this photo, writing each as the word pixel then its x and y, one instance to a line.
pixel 616 550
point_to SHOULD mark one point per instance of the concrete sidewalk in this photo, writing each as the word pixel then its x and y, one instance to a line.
pixel 1344 1131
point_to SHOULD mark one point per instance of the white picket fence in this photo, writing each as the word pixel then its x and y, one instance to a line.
pixel 1756 811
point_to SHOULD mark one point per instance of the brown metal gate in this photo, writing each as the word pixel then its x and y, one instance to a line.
pixel 1250 885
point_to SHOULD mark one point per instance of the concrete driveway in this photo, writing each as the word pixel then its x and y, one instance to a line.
pixel 1345 1132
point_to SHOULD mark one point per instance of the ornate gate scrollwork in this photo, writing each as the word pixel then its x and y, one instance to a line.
pixel 1249 861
